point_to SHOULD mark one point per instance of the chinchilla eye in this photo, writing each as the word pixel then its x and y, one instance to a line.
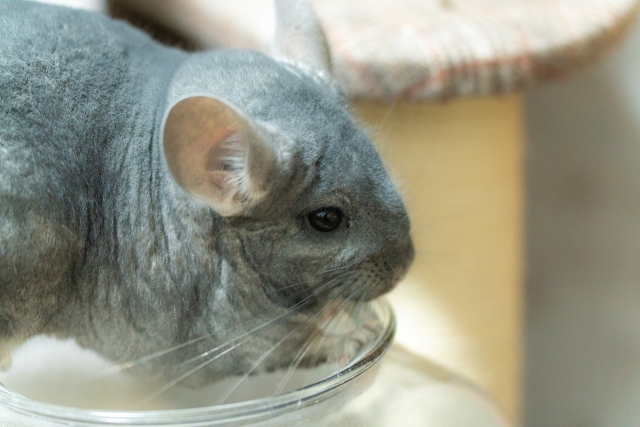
pixel 326 219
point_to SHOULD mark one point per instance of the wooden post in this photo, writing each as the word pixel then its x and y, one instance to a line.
pixel 459 166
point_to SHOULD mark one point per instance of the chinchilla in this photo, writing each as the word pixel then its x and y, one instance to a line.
pixel 183 205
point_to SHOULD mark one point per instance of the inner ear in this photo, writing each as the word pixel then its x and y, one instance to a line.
pixel 215 154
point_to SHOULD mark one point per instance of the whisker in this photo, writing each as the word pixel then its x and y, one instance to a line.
pixel 323 272
pixel 217 356
pixel 386 116
pixel 130 364
pixel 338 268
pixel 297 360
pixel 319 333
pixel 262 326
pixel 334 322
pixel 352 307
pixel 339 311
pixel 267 353
pixel 175 381
pixel 254 365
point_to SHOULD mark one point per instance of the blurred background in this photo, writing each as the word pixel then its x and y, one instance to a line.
pixel 583 228
pixel 582 326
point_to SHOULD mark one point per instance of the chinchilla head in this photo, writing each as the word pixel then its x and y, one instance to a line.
pixel 304 211
pixel 269 145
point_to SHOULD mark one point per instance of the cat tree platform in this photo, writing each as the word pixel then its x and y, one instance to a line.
pixel 458 163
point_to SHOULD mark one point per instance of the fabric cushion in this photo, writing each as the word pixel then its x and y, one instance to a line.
pixel 422 49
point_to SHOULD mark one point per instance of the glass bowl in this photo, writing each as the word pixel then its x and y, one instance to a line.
pixel 60 381
pixel 401 389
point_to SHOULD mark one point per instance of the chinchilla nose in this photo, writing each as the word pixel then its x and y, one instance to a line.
pixel 385 270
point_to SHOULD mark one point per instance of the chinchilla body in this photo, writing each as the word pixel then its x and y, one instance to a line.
pixel 151 198
pixel 80 205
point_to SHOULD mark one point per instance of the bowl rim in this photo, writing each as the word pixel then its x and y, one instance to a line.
pixel 249 410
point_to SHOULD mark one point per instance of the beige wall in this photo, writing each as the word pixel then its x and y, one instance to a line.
pixel 459 166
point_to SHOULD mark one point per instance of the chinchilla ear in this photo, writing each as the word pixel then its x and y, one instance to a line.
pixel 215 154
pixel 299 36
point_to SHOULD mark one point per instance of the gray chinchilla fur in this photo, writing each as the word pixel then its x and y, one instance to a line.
pixel 152 199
